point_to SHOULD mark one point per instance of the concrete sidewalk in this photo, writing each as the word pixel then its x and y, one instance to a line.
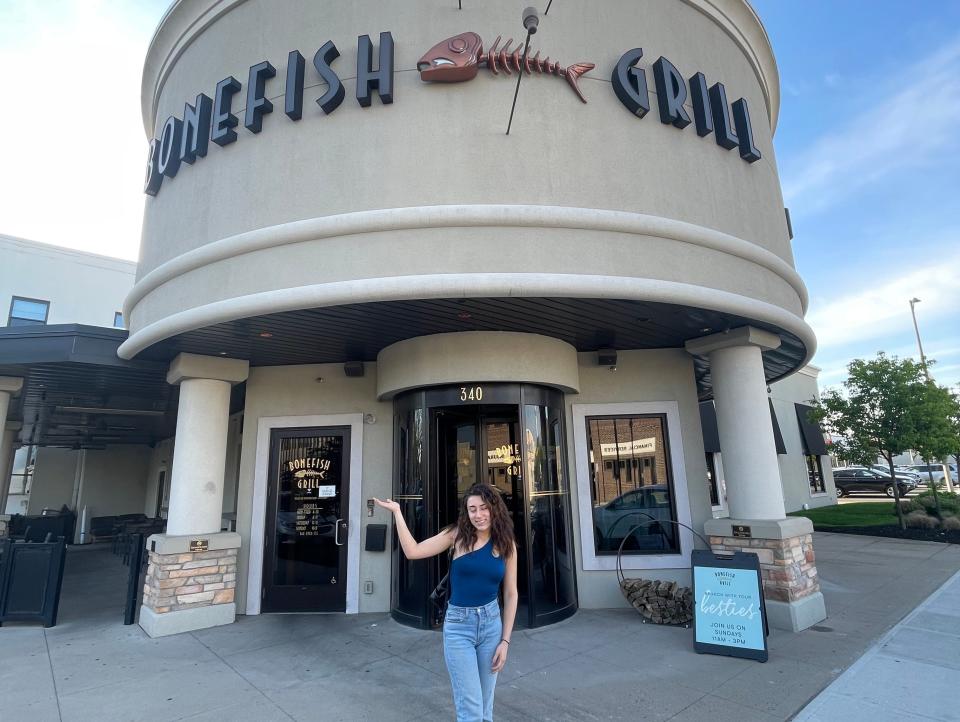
pixel 910 674
pixel 598 665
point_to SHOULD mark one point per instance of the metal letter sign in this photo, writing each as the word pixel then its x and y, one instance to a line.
pixel 630 83
pixel 729 614
pixel 455 59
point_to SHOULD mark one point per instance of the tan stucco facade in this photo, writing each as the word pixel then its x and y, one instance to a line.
pixel 425 198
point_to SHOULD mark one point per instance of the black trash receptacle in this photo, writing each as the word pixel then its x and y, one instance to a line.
pixel 30 579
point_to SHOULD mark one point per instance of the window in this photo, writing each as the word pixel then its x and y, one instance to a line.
pixel 118 319
pixel 28 312
pixel 630 485
pixel 815 474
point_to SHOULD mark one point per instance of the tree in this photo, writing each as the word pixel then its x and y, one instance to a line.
pixel 955 428
pixel 936 437
pixel 877 414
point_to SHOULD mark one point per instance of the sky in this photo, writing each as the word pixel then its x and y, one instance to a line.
pixel 868 147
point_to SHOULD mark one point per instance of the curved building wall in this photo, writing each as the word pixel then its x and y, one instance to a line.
pixel 343 207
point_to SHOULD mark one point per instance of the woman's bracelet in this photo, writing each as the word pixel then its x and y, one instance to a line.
pixel 505 640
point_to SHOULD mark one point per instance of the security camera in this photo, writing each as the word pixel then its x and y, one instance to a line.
pixel 531 19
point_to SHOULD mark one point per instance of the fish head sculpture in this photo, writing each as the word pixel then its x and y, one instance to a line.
pixel 452 60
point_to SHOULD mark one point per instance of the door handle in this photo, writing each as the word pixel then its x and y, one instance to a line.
pixel 336 534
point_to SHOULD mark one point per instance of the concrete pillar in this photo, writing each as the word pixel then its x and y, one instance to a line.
pixel 186 588
pixel 196 488
pixel 749 452
pixel 784 546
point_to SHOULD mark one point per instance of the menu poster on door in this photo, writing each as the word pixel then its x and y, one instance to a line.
pixel 729 616
pixel 311 479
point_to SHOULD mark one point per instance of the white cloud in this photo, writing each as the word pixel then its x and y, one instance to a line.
pixel 914 122
pixel 832 80
pixel 883 303
pixel 75 151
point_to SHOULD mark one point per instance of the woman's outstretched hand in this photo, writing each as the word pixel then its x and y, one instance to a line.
pixel 388 504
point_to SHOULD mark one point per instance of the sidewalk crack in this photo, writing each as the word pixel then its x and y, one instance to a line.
pixel 53 678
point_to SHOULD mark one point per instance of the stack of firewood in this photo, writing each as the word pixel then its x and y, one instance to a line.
pixel 659 602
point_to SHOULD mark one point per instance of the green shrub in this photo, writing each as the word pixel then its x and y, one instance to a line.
pixel 908 505
pixel 921 520
pixel 950 523
pixel 948 502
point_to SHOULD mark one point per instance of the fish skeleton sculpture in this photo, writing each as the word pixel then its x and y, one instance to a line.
pixel 459 58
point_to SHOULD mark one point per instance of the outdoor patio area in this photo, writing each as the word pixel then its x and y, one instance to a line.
pixel 598 665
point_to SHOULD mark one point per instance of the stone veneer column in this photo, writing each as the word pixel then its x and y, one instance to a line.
pixel 187 590
pixel 9 386
pixel 784 546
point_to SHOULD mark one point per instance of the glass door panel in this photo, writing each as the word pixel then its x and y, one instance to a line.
pixel 410 578
pixel 502 469
pixel 552 586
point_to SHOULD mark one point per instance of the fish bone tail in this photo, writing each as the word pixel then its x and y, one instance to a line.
pixel 573 74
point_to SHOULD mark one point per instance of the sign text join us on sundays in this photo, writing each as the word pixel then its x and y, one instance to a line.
pixel 185 139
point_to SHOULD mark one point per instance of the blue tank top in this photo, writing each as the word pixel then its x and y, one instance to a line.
pixel 475 577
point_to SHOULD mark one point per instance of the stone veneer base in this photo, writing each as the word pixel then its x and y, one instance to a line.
pixel 186 620
pixel 186 590
pixel 791 587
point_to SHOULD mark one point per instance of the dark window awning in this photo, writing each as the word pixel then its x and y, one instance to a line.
pixel 708 422
pixel 810 432
pixel 777 436
pixel 711 436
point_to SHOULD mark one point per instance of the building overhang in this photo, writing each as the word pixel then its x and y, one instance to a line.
pixel 77 393
pixel 358 332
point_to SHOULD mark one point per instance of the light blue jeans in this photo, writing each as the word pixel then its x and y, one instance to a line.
pixel 470 638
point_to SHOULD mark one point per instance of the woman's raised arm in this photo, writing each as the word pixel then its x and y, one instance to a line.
pixel 411 548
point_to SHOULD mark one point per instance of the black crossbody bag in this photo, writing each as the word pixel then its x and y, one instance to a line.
pixel 440 596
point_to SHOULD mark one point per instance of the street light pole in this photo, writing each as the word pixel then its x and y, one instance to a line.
pixel 916 329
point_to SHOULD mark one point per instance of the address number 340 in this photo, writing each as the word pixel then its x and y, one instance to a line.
pixel 471 393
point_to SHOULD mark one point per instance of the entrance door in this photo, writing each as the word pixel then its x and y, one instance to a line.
pixel 511 437
pixel 482 445
pixel 305 554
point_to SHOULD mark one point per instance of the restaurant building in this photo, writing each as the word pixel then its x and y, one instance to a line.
pixel 358 284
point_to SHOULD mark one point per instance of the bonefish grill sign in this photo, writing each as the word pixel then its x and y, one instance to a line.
pixel 456 59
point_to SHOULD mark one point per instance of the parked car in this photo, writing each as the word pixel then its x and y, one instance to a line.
pixel 853 479
pixel 900 471
pixel 644 506
pixel 924 470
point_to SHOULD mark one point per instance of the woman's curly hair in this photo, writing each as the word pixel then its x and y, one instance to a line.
pixel 501 525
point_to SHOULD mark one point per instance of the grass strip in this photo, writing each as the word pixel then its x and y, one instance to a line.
pixel 859 514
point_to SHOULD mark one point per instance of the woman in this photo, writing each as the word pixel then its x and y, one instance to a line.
pixel 475 639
